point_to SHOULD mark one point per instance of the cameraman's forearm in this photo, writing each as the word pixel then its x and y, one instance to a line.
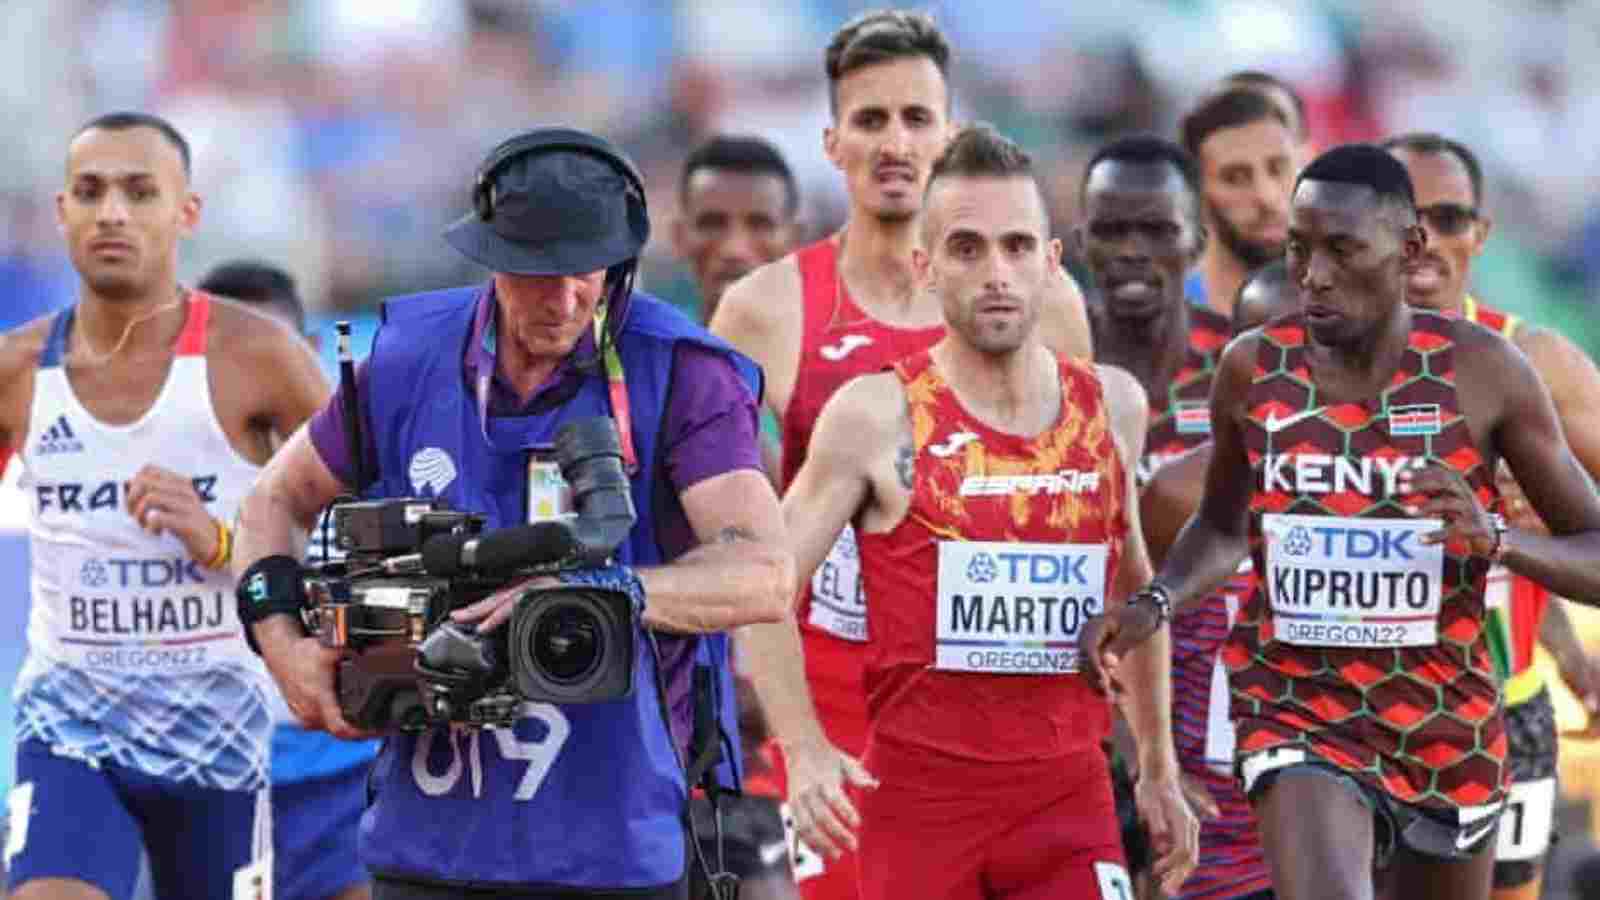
pixel 278 513
pixel 776 664
pixel 266 527
pixel 719 586
pixel 1148 704
pixel 276 631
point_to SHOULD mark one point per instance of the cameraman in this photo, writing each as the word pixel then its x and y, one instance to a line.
pixel 576 800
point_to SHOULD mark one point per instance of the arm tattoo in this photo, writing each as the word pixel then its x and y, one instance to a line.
pixel 735 533
pixel 905 464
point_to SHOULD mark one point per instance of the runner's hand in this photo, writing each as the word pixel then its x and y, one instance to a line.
pixel 1199 797
pixel 823 815
pixel 1519 512
pixel 1106 638
pixel 1174 831
pixel 1582 677
pixel 1439 492
pixel 163 501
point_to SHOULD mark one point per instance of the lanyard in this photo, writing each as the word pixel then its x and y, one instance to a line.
pixel 616 383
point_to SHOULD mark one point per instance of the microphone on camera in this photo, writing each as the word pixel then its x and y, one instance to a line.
pixel 498 551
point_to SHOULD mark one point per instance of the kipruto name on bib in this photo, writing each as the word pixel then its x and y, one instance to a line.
pixel 1322 473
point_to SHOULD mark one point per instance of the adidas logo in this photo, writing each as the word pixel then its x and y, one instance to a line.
pixel 59 438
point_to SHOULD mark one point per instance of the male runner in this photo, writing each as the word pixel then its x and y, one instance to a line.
pixel 737 204
pixel 1351 466
pixel 843 307
pixel 319 782
pixel 141 418
pixel 990 479
pixel 1449 184
pixel 1140 234
pixel 1231 864
pixel 1283 95
pixel 1246 149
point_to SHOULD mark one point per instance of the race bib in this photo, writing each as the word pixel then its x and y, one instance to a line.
pixel 1221 739
pixel 142 614
pixel 1526 825
pixel 1336 581
pixel 838 602
pixel 1014 608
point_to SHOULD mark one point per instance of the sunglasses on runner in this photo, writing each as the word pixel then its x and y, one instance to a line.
pixel 1448 218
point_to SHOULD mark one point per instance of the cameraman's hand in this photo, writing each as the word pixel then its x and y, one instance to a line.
pixel 161 500
pixel 823 814
pixel 494 609
pixel 305 672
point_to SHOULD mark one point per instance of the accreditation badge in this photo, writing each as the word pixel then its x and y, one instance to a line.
pixel 1016 608
pixel 1338 581
pixel 548 494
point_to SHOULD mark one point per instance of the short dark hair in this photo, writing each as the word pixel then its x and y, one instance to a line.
pixel 977 151
pixel 1364 164
pixel 880 36
pixel 980 151
pixel 124 120
pixel 1234 108
pixel 745 154
pixel 258 284
pixel 1144 149
pixel 1273 273
pixel 1266 80
pixel 1437 144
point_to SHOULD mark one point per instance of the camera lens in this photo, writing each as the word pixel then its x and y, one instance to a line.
pixel 566 643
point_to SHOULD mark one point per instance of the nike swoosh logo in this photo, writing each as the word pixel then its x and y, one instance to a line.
pixel 953 443
pixel 1465 839
pixel 1275 424
pixel 846 346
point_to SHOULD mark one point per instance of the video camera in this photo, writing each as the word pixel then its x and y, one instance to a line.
pixel 410 561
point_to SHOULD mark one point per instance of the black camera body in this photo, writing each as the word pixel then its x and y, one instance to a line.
pixel 410 561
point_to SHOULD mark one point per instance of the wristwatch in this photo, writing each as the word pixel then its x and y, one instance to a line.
pixel 1498 522
pixel 1157 596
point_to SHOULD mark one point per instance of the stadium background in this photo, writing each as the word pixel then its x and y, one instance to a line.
pixel 337 137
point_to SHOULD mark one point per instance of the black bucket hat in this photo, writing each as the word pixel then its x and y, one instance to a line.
pixel 553 201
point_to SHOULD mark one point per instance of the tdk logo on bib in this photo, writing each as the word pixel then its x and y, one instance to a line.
pixel 1016 608
pixel 1353 582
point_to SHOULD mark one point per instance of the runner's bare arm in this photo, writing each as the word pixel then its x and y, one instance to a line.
pixel 1147 704
pixel 301 388
pixel 1216 538
pixel 762 315
pixel 1574 383
pixel 1063 319
pixel 853 431
pixel 19 357
pixel 1528 435
pixel 1169 498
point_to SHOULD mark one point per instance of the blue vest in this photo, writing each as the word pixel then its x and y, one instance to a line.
pixel 580 796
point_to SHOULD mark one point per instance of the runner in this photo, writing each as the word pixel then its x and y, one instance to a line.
pixel 840 308
pixel 1351 466
pixel 140 418
pixel 1449 184
pixel 1232 865
pixel 986 466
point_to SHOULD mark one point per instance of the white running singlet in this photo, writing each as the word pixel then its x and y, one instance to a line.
pixel 135 653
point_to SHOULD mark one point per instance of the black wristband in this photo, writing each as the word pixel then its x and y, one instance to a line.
pixel 270 586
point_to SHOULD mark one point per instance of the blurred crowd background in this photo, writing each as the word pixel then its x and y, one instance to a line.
pixel 338 137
